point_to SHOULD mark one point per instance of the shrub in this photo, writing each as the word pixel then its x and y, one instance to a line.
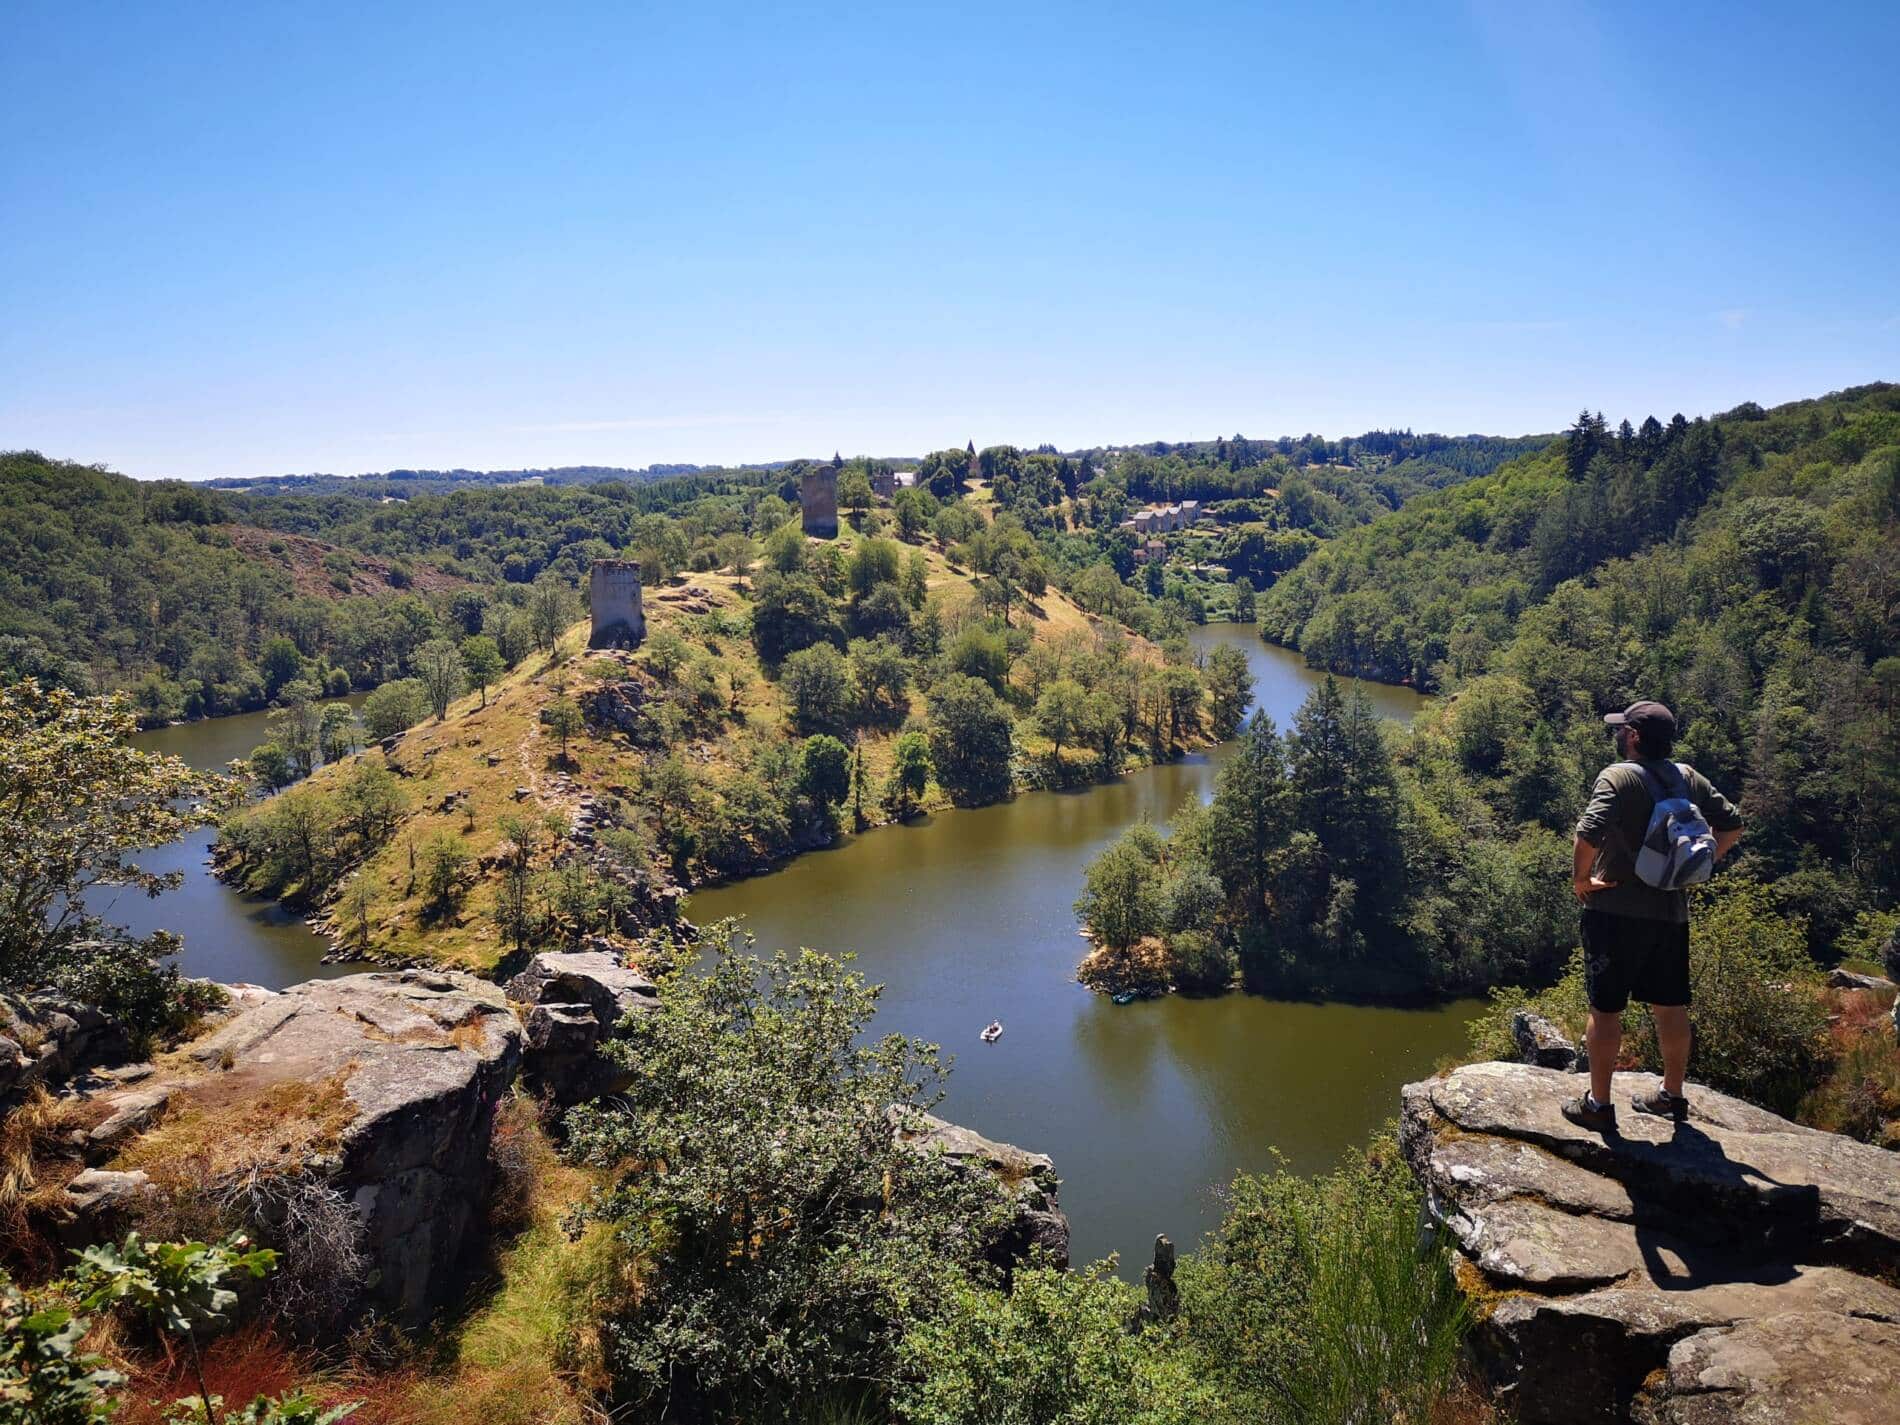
pixel 81 802
pixel 824 773
pixel 910 774
pixel 790 612
pixel 395 707
pixel 1054 1350
pixel 816 683
pixel 44 1377
pixel 971 740
pixel 789 1234
pixel 1316 1301
pixel 1755 1002
pixel 1202 962
pixel 1760 1023
pixel 445 863
pixel 1122 889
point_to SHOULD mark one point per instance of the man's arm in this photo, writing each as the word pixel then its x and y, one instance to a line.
pixel 1583 880
pixel 1721 814
pixel 1592 827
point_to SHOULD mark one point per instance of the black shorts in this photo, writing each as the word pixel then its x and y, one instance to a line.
pixel 1625 958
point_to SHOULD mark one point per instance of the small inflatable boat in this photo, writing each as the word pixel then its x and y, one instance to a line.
pixel 992 1031
pixel 1126 997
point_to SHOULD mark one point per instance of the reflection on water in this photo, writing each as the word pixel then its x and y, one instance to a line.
pixel 1147 1108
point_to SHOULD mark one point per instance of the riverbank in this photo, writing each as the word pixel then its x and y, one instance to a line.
pixel 1147 970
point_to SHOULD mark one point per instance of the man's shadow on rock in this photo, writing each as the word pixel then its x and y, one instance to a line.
pixel 1742 1225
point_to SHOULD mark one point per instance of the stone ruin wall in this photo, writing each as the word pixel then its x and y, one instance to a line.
pixel 818 500
pixel 613 602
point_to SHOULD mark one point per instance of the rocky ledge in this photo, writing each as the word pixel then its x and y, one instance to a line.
pixel 570 1005
pixel 377 1090
pixel 1733 1268
pixel 359 1111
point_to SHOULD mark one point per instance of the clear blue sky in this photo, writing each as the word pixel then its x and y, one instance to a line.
pixel 250 239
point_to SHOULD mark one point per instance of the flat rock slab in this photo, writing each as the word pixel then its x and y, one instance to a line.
pixel 1594 1258
pixel 129 1114
pixel 1750 1174
pixel 423 1058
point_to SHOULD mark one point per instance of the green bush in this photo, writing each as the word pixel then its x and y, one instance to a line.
pixel 1755 1004
pixel 45 1379
pixel 1054 1350
pixel 1315 1301
pixel 395 707
pixel 789 1235
pixel 1760 1023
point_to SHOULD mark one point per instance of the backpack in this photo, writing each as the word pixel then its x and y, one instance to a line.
pixel 1678 848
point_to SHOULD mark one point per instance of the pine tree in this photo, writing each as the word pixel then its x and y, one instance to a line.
pixel 1250 820
pixel 1582 442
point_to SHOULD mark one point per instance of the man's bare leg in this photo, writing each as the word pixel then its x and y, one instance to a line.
pixel 1672 1037
pixel 1604 1039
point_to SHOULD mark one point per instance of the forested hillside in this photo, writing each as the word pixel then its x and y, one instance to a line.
pixel 206 600
pixel 200 603
pixel 110 583
pixel 1745 570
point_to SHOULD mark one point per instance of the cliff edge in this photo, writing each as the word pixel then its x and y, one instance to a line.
pixel 1734 1268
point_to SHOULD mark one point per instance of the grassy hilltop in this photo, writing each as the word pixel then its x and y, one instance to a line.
pixel 710 779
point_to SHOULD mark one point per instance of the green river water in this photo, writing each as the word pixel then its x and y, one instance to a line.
pixel 1148 1109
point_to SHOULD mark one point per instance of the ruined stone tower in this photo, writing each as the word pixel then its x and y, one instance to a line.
pixel 613 598
pixel 818 500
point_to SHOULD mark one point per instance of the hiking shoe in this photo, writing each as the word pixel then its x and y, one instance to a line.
pixel 1663 1104
pixel 1586 1112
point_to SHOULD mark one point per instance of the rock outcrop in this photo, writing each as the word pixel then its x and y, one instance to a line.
pixel 379 1087
pixel 621 706
pixel 1839 979
pixel 1688 1274
pixel 46 1039
pixel 1029 1179
pixel 571 1004
pixel 1542 1043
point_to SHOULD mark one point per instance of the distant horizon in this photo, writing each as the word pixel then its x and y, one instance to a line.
pixel 919 454
pixel 637 465
pixel 254 241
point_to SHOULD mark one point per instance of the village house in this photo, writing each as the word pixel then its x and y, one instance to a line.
pixel 1164 519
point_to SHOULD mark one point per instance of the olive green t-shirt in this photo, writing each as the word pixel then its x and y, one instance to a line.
pixel 1616 819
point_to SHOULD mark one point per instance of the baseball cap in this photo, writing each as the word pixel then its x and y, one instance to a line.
pixel 1650 719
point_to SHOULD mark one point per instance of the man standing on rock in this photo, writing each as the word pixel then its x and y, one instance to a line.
pixel 1635 936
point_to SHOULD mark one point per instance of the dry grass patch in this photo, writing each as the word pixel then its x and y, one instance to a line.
pixel 1145 967
pixel 243 1122
pixel 250 1362
pixel 33 1174
pixel 1860 1095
